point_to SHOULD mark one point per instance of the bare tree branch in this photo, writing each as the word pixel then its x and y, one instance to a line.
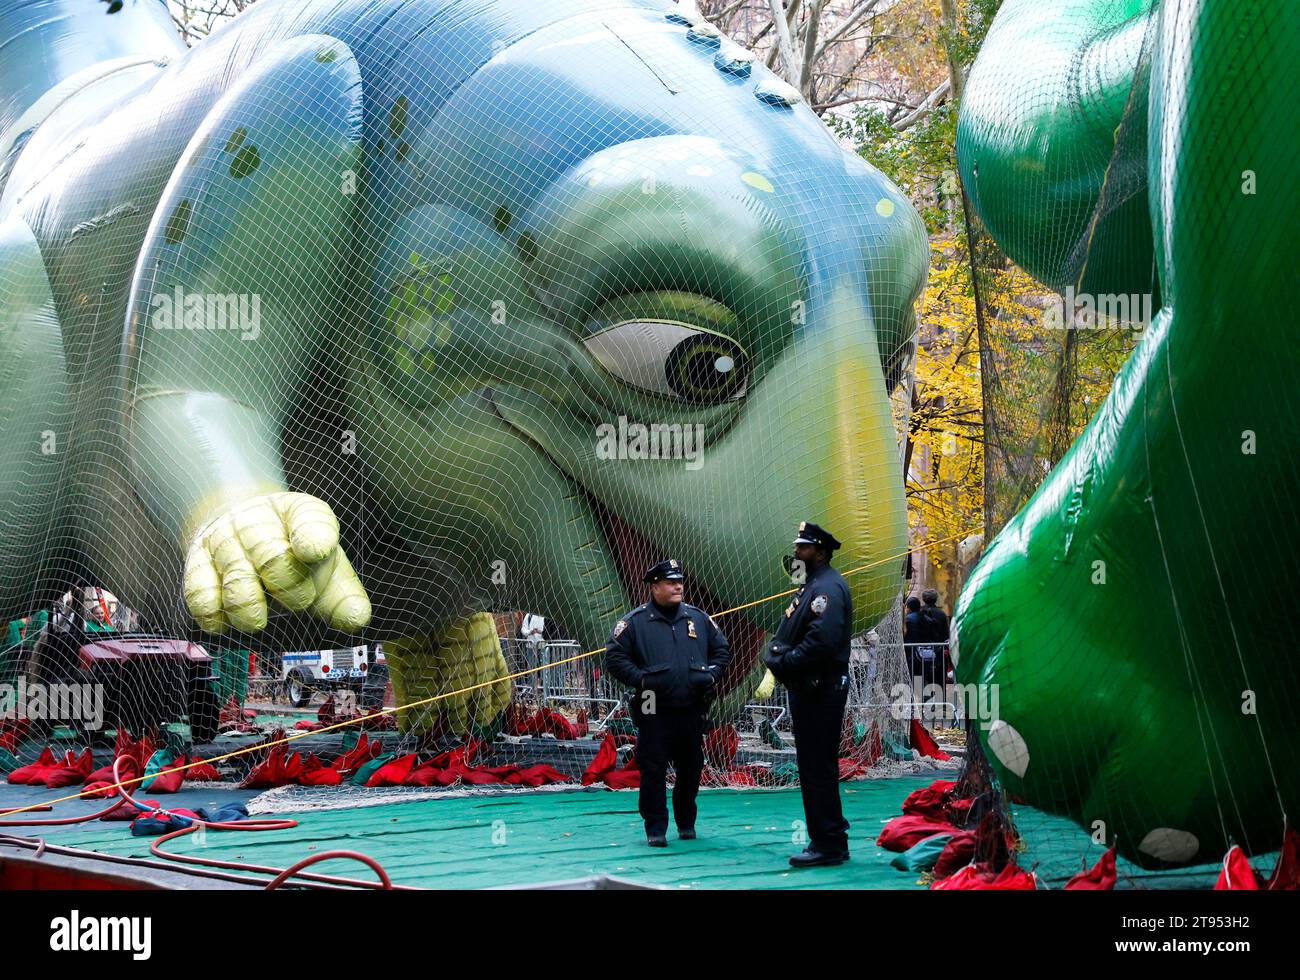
pixel 785 43
pixel 812 24
pixel 925 108
pixel 850 22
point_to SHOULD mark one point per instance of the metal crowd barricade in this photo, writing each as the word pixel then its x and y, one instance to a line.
pixel 928 704
pixel 581 683
pixel 874 678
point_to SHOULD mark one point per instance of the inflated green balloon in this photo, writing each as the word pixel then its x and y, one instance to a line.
pixel 396 312
pixel 1134 617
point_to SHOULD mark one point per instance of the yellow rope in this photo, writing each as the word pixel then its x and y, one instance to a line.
pixel 450 694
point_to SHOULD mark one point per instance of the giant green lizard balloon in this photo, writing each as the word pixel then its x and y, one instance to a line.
pixel 383 314
pixel 1135 616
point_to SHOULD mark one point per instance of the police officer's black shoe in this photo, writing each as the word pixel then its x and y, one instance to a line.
pixel 816 859
pixel 657 840
pixel 687 834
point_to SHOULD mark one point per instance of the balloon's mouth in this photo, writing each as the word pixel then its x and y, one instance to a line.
pixel 633 552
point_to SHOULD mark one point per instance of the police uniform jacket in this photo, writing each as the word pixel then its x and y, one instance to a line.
pixel 678 656
pixel 815 634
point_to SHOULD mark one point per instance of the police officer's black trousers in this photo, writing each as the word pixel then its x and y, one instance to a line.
pixel 818 714
pixel 670 735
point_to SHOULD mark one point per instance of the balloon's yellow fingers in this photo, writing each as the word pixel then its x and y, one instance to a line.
pixel 242 597
pixel 342 600
pixel 313 529
pixel 262 535
pixel 202 586
pixel 280 545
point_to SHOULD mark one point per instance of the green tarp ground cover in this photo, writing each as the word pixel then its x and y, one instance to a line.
pixel 485 841
pixel 491 840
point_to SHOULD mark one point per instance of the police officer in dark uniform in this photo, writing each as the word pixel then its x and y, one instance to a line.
pixel 672 655
pixel 810 656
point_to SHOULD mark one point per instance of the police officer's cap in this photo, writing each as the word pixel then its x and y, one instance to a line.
pixel 669 568
pixel 810 533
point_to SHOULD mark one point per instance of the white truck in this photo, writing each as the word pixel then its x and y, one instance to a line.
pixel 361 670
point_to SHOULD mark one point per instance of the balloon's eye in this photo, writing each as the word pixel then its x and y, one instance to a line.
pixel 670 357
pixel 706 367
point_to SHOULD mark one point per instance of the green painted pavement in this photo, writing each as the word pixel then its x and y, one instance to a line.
pixel 521 837
pixel 485 841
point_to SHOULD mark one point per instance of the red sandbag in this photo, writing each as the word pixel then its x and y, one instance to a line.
pixel 270 772
pixel 202 770
pixel 428 776
pixel 929 801
pixel 356 757
pixel 903 833
pixel 556 724
pixel 486 775
pixel 452 767
pixel 602 768
pixel 378 721
pixel 965 879
pixel 979 877
pixel 853 768
pixel 629 777
pixel 169 780
pixel 34 773
pixel 1286 876
pixel 1099 878
pixel 958 811
pixel 230 713
pixel 435 772
pixel 547 721
pixel 506 775
pixel 515 720
pixel 325 713
pixel 129 756
pixel 720 746
pixel 140 751
pixel 105 775
pixel 307 726
pixel 128 768
pixel 313 772
pixel 923 743
pixel 480 777
pixel 468 752
pixel 711 777
pixel 874 749
pixel 1237 875
pixel 13 732
pixel 393 773
pixel 956 854
pixel 72 771
pixel 1012 878
pixel 538 775
pixel 605 760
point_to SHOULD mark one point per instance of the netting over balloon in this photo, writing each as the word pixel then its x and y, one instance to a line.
pixel 1113 149
pixel 377 324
